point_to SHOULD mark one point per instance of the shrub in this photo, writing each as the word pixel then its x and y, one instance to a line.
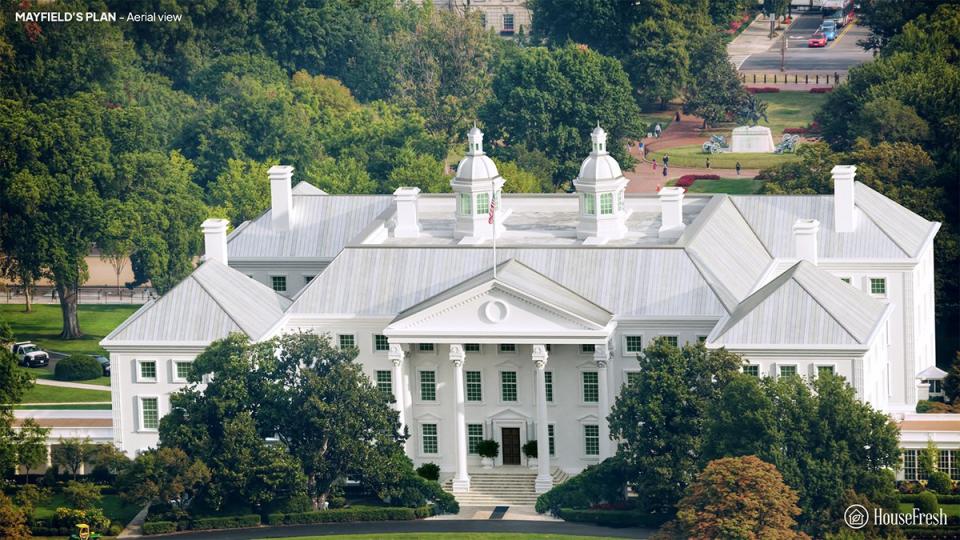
pixel 430 471
pixel 909 486
pixel 687 180
pixel 612 518
pixel 414 491
pixel 225 522
pixel 82 495
pixel 488 448
pixel 159 527
pixel 940 482
pixel 821 90
pixel 927 502
pixel 601 483
pixel 68 518
pixel 356 513
pixel 78 367
pixel 763 89
pixel 530 449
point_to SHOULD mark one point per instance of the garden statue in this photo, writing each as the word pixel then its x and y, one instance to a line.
pixel 716 144
pixel 752 111
pixel 788 143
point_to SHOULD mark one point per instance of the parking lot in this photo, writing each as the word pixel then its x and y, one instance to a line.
pixel 839 55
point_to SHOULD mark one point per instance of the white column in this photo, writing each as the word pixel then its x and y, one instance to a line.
pixel 544 479
pixel 601 356
pixel 461 482
pixel 396 356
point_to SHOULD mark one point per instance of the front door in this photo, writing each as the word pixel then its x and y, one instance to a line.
pixel 511 445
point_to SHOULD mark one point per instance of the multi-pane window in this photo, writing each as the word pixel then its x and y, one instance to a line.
pixel 483 20
pixel 508 385
pixel 428 386
pixel 474 386
pixel 425 347
pixel 752 369
pixel 788 371
pixel 825 370
pixel 182 370
pixel 381 343
pixel 910 469
pixel 429 439
pixel 591 387
pixel 474 436
pixel 347 341
pixel 591 440
pixel 589 204
pixel 587 348
pixel 948 463
pixel 878 286
pixel 149 413
pixel 671 340
pixel 701 339
pixel 508 22
pixel 463 204
pixel 483 203
pixel 148 370
pixel 385 381
pixel 633 377
pixel 472 347
pixel 279 283
pixel 606 204
pixel 508 348
pixel 307 279
pixel 548 383
pixel 553 448
pixel 634 344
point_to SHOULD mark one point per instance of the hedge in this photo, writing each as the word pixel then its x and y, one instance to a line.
pixel 943 499
pixel 226 522
pixel 78 367
pixel 944 532
pixel 356 513
pixel 821 90
pixel 612 518
pixel 763 89
pixel 159 527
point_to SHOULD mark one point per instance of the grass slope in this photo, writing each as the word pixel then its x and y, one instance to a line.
pixel 693 156
pixel 46 373
pixel 43 325
pixel 41 393
pixel 112 505
pixel 790 109
pixel 732 186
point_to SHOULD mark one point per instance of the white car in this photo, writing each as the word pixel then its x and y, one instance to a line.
pixel 29 355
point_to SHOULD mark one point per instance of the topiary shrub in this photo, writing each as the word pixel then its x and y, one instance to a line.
pixel 78 367
pixel 430 471
pixel 927 502
pixel 940 482
pixel 488 448
pixel 530 449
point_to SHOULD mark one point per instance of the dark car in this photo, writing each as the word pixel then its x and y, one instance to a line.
pixel 104 364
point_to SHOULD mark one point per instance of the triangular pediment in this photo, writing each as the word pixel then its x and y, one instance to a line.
pixel 509 414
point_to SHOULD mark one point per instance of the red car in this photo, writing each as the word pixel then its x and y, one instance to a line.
pixel 817 40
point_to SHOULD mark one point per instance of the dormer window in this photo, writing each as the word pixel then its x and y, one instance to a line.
pixel 589 204
pixel 463 204
pixel 606 204
pixel 483 203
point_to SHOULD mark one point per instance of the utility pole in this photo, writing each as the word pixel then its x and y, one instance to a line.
pixel 783 52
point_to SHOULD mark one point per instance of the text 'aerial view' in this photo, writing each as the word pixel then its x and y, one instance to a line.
pixel 480 269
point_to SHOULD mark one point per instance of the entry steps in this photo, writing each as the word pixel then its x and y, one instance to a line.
pixel 502 488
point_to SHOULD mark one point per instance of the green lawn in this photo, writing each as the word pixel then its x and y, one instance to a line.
pixel 693 156
pixel 790 109
pixel 81 407
pixel 54 394
pixel 46 373
pixel 43 325
pixel 650 119
pixel 732 186
pixel 948 509
pixel 449 536
pixel 112 505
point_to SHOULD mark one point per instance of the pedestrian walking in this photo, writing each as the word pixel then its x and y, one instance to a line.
pixel 664 170
pixel 738 168
pixel 654 163
pixel 666 160
pixel 708 163
pixel 678 116
pixel 657 129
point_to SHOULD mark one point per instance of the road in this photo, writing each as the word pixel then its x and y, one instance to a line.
pixel 839 55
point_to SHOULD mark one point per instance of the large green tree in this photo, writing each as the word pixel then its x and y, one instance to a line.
pixel 164 475
pixel 551 100
pixel 714 93
pixel 659 419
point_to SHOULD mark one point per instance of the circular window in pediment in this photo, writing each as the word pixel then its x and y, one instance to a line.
pixel 496 311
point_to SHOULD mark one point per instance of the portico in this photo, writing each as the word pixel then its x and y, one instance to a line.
pixel 519 307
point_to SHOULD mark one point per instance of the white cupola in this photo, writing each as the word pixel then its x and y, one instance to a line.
pixel 601 184
pixel 477 180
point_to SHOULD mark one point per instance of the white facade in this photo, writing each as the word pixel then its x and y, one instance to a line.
pixel 540 349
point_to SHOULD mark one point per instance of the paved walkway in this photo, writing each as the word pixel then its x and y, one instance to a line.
pixel 78 386
pixel 135 527
pixel 753 40
pixel 644 179
pixel 422 526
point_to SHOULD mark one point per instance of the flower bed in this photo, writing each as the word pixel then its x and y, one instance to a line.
pixel 687 180
pixel 821 90
pixel 764 89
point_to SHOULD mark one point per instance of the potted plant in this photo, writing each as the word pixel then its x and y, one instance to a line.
pixel 530 450
pixel 488 449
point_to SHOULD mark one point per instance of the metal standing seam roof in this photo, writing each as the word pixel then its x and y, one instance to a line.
pixel 321 226
pixel 726 251
pixel 907 229
pixel 207 305
pixel 385 281
pixel 802 306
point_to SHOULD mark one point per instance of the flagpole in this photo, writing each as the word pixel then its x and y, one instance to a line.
pixel 493 200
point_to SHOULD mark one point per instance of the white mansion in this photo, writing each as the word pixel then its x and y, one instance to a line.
pixel 538 348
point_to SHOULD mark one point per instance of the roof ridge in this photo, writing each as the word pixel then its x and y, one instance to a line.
pixel 761 294
pixel 825 308
pixel 217 301
pixel 877 222
pixel 747 222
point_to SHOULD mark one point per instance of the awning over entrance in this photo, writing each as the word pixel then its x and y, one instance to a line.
pixel 520 305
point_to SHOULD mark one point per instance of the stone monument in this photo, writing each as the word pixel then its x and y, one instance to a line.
pixel 752 138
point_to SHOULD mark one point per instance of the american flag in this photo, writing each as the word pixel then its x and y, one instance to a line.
pixel 493 208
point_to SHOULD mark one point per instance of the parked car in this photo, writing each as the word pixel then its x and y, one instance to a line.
pixel 29 355
pixel 829 29
pixel 817 40
pixel 104 363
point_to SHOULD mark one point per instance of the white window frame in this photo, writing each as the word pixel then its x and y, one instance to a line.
pixel 796 369
pixel 482 399
pixel 583 439
pixel 553 450
pixel 420 425
pixel 552 385
pixel 373 342
pixel 286 281
pixel 514 352
pixel 436 386
pixel 173 370
pixel 818 365
pixel 589 204
pixel 156 371
pixel 582 352
pixel 516 373
pixel 478 351
pixel 140 422
pixel 751 364
pixel 420 352
pixel 341 336
pixel 679 345
pixel 626 376
pixel 376 380
pixel 886 287
pixel 482 435
pixel 308 277
pixel 627 352
pixel 583 387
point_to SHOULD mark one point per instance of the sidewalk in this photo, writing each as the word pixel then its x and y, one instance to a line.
pixel 753 40
pixel 79 386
